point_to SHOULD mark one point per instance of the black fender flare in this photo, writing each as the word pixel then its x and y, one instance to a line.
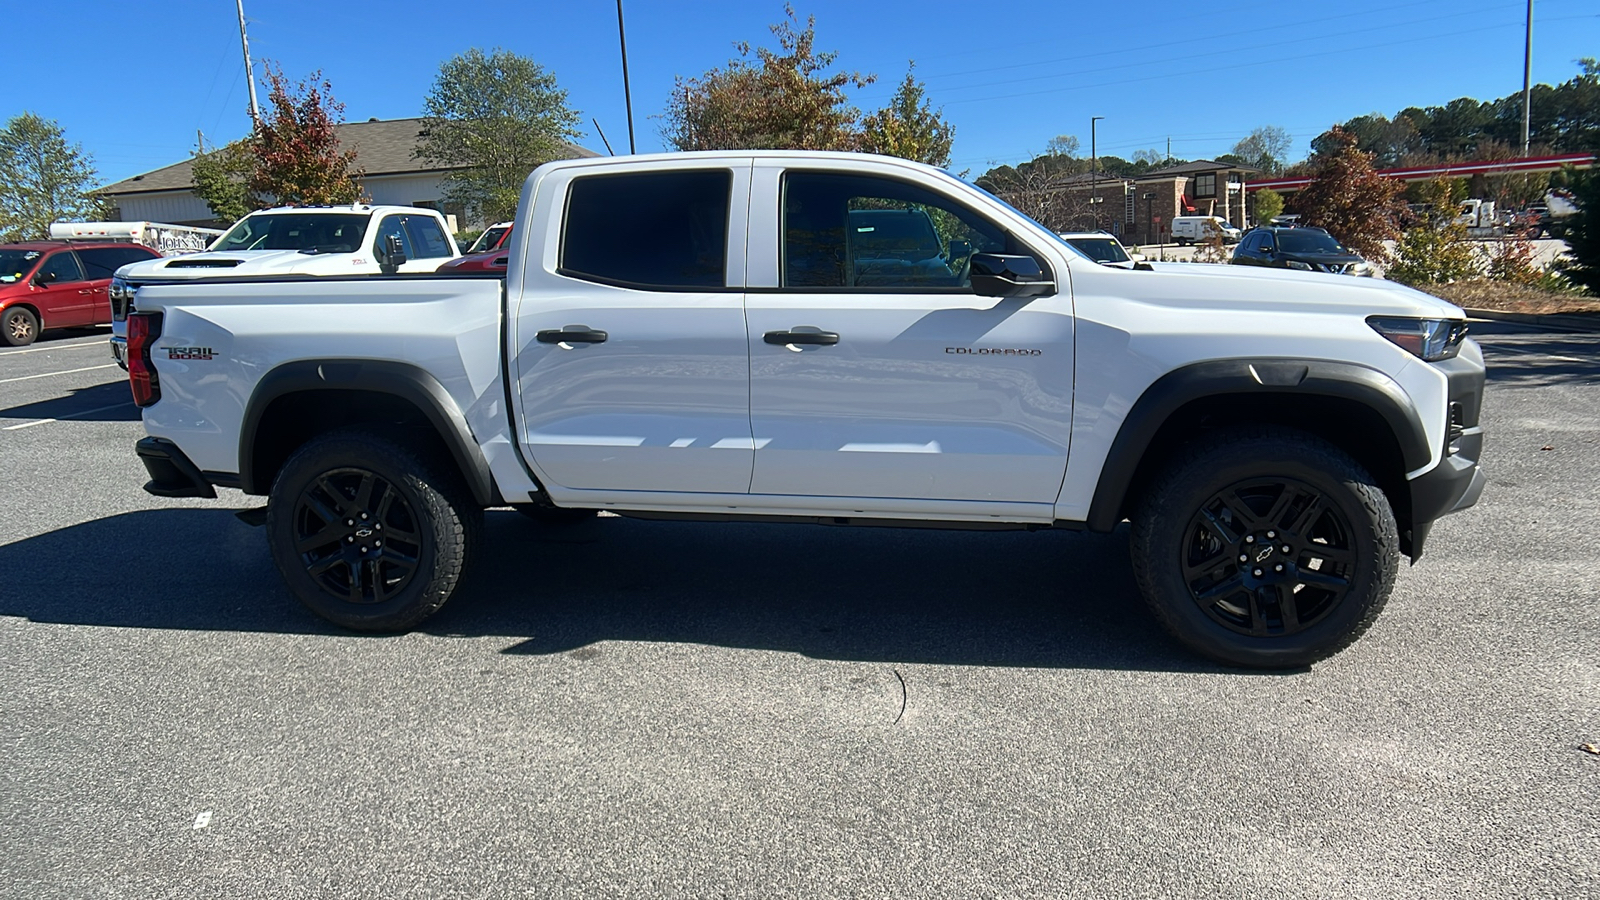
pixel 402 380
pixel 1254 375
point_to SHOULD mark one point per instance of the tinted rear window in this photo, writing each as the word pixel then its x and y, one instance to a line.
pixel 649 229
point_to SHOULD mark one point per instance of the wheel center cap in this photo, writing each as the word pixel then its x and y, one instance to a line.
pixel 365 532
pixel 1263 554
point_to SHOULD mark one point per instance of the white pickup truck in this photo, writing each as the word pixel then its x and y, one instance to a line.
pixel 782 336
pixel 298 240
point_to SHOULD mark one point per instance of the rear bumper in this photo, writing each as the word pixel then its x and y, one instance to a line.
pixel 172 474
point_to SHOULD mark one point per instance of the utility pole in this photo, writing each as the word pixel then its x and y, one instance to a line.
pixel 1527 71
pixel 250 72
pixel 627 93
pixel 1094 172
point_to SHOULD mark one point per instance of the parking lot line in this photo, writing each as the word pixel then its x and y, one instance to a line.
pixel 76 415
pixel 65 372
pixel 77 345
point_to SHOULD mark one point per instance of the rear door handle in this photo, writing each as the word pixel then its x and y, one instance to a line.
pixel 576 336
pixel 801 337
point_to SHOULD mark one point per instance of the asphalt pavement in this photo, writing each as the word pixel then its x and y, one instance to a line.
pixel 642 709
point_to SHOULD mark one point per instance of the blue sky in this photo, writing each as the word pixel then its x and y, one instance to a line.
pixel 132 82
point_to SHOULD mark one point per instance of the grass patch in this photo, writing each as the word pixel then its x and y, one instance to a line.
pixel 1505 296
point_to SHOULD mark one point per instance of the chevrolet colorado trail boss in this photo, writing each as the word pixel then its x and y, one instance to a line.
pixel 829 338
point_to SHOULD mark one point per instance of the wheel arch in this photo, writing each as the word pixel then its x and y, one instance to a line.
pixel 1358 409
pixel 298 400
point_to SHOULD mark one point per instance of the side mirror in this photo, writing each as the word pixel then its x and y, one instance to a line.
pixel 959 250
pixel 1008 275
pixel 44 278
pixel 1268 248
pixel 393 254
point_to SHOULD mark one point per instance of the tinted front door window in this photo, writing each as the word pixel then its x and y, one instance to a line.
pixel 851 231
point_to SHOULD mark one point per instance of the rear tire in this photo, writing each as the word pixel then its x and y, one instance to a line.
pixel 19 327
pixel 1265 548
pixel 367 533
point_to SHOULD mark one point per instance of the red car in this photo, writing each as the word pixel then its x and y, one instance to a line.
pixel 493 261
pixel 54 284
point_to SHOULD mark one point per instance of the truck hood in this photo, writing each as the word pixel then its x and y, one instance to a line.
pixel 248 262
pixel 1250 286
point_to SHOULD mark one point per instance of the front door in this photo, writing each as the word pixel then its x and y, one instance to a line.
pixel 65 297
pixel 630 354
pixel 876 372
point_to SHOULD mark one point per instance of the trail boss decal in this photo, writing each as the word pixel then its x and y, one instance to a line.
pixel 992 351
pixel 188 353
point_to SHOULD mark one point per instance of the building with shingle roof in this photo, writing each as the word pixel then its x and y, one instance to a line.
pixel 384 152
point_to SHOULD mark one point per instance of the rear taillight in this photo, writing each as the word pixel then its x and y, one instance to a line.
pixel 143 330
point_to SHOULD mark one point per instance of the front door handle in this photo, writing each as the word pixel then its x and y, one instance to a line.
pixel 578 335
pixel 801 337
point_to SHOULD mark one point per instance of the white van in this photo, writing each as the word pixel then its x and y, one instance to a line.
pixel 1193 229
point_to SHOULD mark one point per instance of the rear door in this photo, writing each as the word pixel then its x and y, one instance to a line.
pixel 875 371
pixel 629 335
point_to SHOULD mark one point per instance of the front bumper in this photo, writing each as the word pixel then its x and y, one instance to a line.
pixel 119 351
pixel 1457 481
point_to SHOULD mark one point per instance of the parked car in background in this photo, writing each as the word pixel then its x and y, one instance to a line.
pixel 56 284
pixel 1193 229
pixel 1306 249
pixel 493 261
pixel 298 240
pixel 1101 247
pixel 493 238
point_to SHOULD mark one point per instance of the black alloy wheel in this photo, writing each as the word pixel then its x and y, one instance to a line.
pixel 369 531
pixel 357 535
pixel 1268 556
pixel 1264 547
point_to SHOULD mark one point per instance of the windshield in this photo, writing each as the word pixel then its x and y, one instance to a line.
pixel 16 264
pixel 1308 241
pixel 309 232
pixel 1101 250
pixel 489 240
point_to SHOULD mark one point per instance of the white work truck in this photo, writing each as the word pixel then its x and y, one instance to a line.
pixel 831 338
pixel 298 241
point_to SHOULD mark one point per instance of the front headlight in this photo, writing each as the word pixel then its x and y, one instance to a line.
pixel 1297 264
pixel 1428 339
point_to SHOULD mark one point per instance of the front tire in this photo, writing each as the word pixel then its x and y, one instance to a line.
pixel 1265 548
pixel 19 327
pixel 367 533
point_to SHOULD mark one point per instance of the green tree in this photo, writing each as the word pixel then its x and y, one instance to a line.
pixel 1348 198
pixel 1437 251
pixel 296 151
pixel 1583 232
pixel 1269 205
pixel 768 99
pixel 43 179
pixel 222 179
pixel 909 127
pixel 1266 148
pixel 496 117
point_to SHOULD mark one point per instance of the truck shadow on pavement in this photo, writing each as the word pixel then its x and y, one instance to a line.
pixel 1050 599
pixel 110 402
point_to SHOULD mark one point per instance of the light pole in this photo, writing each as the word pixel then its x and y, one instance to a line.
pixel 1094 173
pixel 1527 69
pixel 627 94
